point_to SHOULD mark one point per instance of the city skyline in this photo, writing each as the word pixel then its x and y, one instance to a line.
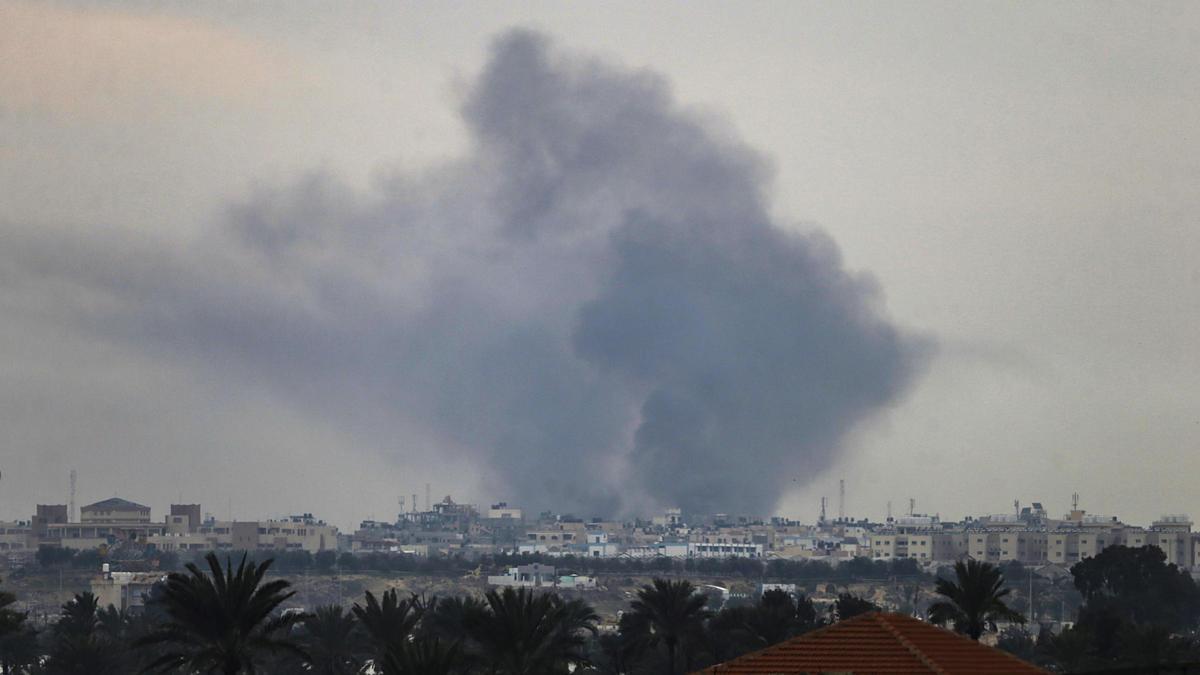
pixel 894 511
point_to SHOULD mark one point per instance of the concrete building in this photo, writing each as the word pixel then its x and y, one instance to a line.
pixel 16 536
pixel 727 550
pixel 296 533
pixel 1173 534
pixel 526 576
pixel 184 518
pixel 48 514
pixel 103 523
pixel 114 511
pixel 124 590
pixel 503 511
pixel 576 582
pixel 598 545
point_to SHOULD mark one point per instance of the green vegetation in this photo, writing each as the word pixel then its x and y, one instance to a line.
pixel 226 617
pixel 974 601
pixel 1137 611
pixel 223 622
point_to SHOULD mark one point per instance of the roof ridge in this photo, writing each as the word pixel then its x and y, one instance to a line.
pixel 964 638
pixel 783 644
pixel 882 619
pixel 1009 655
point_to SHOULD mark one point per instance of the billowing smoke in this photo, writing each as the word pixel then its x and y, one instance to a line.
pixel 593 305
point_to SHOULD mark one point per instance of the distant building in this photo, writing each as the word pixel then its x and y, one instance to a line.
pixel 114 511
pixel 296 533
pixel 184 518
pixel 124 590
pixel 526 576
pixel 100 524
pixel 16 536
pixel 48 514
pixel 503 511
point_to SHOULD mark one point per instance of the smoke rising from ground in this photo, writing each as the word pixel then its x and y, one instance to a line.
pixel 594 305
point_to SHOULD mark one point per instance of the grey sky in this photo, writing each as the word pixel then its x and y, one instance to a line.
pixel 1018 178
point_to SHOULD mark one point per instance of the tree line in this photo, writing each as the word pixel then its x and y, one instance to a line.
pixel 227 617
pixel 328 562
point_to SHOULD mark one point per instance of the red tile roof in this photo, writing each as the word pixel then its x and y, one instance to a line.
pixel 878 643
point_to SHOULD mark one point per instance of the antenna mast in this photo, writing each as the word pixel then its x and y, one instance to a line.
pixel 842 499
pixel 71 508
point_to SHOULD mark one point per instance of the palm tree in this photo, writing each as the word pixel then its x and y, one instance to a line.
pixel 389 622
pixel 778 617
pixel 223 621
pixel 526 633
pixel 670 610
pixel 422 657
pixel 331 636
pixel 975 601
pixel 78 644
pixel 19 650
pixel 451 619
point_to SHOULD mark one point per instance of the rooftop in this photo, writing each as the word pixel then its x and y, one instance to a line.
pixel 116 504
pixel 877 642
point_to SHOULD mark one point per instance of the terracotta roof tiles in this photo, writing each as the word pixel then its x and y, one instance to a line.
pixel 887 644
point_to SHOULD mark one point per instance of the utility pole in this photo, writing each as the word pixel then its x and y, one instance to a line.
pixel 1029 573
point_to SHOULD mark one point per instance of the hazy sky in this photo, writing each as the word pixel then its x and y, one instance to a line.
pixel 1017 178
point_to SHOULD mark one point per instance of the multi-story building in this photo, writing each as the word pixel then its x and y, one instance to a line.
pixel 296 533
pixel 114 511
pixel 1173 535
pixel 503 511
pixel 103 523
pixel 46 515
pixel 16 536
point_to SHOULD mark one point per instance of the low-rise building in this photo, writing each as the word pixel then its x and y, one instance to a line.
pixel 526 576
pixel 295 533
pixel 503 511
pixel 124 590
pixel 16 536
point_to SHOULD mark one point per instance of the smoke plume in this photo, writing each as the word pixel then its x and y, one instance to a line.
pixel 593 305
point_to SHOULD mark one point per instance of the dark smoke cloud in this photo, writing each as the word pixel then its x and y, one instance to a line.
pixel 594 305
